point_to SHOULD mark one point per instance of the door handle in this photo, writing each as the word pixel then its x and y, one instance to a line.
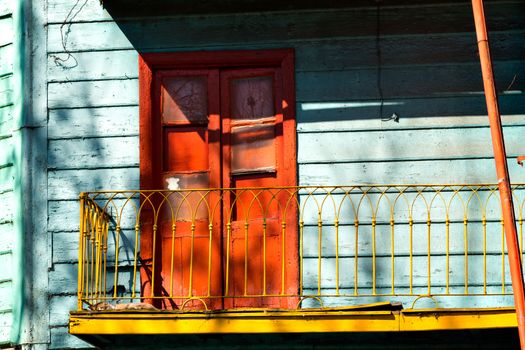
pixel 520 160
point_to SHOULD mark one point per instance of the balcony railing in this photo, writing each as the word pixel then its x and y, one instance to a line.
pixel 296 247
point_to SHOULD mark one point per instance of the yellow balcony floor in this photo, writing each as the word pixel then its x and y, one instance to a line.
pixel 381 317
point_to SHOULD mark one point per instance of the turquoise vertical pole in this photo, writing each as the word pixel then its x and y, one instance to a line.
pixel 18 174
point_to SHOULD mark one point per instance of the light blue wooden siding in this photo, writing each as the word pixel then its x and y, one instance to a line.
pixel 7 234
pixel 429 76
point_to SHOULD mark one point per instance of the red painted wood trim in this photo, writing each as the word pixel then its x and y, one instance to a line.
pixel 217 59
pixel 145 124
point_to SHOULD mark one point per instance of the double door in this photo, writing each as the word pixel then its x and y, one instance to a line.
pixel 226 230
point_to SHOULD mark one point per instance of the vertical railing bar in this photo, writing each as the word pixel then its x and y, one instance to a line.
pixel 117 248
pixel 429 259
pixel 192 255
pixel 447 254
pixel 80 272
pixel 105 251
pixel 135 261
pixel 87 268
pixel 264 256
pixel 410 252
pixel 283 263
pixel 301 254
pixel 227 272
pixel 502 255
pixel 98 257
pixel 373 255
pixel 319 249
pixel 172 255
pixel 356 256
pixel 392 252
pixel 92 260
pixel 246 226
pixel 484 224
pixel 465 242
pixel 336 225
pixel 153 257
pixel 210 251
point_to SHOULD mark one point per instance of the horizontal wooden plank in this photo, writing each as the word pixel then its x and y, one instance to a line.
pixel 59 307
pixel 6 156
pixel 6 30
pixel 6 261
pixel 93 93
pixel 7 236
pixel 63 216
pixel 404 145
pixel 336 54
pixel 6 59
pixel 6 118
pixel 341 53
pixel 6 97
pixel 94 153
pixel 6 295
pixel 6 177
pixel 411 172
pixel 6 323
pixel 282 26
pixel 63 279
pixel 405 82
pixel 60 10
pixel 97 36
pixel 65 247
pixel 67 184
pixel 369 110
pixel 406 123
pixel 438 272
pixel 6 7
pixel 61 339
pixel 119 64
pixel 311 108
pixel 90 122
pixel 6 83
pixel 6 206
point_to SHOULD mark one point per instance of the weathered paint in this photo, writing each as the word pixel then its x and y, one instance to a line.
pixel 9 211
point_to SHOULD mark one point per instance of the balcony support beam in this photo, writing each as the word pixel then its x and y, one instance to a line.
pixel 301 321
pixel 501 166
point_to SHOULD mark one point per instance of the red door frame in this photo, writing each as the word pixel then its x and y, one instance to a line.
pixel 149 63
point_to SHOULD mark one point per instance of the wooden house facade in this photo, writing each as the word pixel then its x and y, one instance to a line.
pixel 254 168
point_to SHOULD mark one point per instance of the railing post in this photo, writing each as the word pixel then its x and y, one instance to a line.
pixel 501 166
pixel 81 252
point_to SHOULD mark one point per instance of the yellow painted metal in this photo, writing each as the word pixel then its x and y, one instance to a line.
pixel 455 319
pixel 362 221
pixel 313 321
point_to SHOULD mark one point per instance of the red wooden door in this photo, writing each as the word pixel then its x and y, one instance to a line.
pixel 214 128
pixel 189 146
pixel 254 155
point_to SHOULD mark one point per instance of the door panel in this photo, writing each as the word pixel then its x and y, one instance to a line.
pixel 253 154
pixel 190 148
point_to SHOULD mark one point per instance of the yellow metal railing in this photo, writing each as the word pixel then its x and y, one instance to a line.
pixel 313 246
